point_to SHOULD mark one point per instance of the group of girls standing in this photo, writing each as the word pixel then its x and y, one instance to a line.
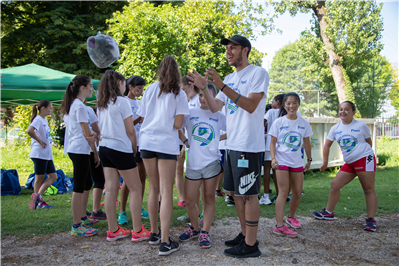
pixel 136 139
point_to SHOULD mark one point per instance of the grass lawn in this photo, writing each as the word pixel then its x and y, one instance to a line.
pixel 16 219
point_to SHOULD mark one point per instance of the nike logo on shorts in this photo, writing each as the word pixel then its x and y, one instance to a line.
pixel 246 182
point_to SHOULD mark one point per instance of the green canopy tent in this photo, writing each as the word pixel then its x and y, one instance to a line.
pixel 25 85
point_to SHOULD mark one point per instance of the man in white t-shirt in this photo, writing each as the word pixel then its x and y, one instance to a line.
pixel 243 93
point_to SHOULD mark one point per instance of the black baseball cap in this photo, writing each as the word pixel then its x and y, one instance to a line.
pixel 238 39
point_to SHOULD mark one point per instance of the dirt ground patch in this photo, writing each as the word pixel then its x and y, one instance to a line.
pixel 339 242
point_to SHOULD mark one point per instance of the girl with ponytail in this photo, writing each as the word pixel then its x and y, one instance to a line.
pixel 134 88
pixel 79 141
pixel 118 147
pixel 41 153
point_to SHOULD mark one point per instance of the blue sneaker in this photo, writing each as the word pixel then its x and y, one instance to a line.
pixel 189 233
pixel 144 214
pixel 122 219
pixel 204 240
pixel 371 225
pixel 323 215
pixel 43 205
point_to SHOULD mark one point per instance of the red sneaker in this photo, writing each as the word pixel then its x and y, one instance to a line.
pixel 143 235
pixel 121 233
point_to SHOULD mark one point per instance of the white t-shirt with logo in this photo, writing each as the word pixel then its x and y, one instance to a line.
pixel 290 134
pixel 158 133
pixel 352 140
pixel 135 105
pixel 194 102
pixel 75 137
pixel 42 131
pixel 203 129
pixel 270 117
pixel 245 131
pixel 112 125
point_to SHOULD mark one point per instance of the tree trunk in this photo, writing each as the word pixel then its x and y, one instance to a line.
pixel 333 59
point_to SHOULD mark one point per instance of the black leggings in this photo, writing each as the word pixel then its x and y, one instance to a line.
pixel 81 172
pixel 97 173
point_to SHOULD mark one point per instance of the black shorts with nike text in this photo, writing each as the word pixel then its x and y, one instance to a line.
pixel 243 181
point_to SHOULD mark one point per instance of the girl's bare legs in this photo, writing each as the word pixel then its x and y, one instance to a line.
pixel 40 186
pixel 133 183
pixel 367 179
pixel 192 195
pixel 166 178
pixel 208 188
pixel 97 193
pixel 283 180
pixel 141 169
pixel 339 181
pixel 124 196
pixel 296 180
pixel 112 180
pixel 180 177
pixel 151 166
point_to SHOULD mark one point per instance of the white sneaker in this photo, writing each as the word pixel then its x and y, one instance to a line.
pixel 265 200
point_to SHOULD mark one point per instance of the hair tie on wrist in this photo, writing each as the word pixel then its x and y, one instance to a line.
pixel 223 87
pixel 237 98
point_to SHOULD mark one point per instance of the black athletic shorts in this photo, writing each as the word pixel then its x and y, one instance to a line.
pixel 138 156
pixel 116 159
pixel 152 154
pixel 241 180
pixel 43 166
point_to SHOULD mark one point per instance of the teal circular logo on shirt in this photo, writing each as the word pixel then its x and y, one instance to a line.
pixel 203 132
pixel 293 140
pixel 347 143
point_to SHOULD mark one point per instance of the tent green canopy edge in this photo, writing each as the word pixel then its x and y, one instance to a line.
pixel 28 84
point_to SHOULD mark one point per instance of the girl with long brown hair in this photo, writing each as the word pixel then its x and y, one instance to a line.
pixel 164 106
pixel 118 146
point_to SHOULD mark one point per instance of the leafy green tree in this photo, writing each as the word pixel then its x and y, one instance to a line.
pixel 191 33
pixel 53 33
pixel 286 75
pixel 372 87
pixel 344 35
pixel 394 92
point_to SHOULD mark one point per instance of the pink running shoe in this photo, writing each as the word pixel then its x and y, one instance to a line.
pixel 284 231
pixel 293 222
pixel 33 202
pixel 182 203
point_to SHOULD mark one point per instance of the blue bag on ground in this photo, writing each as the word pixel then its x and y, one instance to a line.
pixel 63 183
pixel 10 182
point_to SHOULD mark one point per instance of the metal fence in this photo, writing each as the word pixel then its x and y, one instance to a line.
pixel 388 126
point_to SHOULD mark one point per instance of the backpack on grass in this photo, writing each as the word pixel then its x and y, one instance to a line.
pixel 10 182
